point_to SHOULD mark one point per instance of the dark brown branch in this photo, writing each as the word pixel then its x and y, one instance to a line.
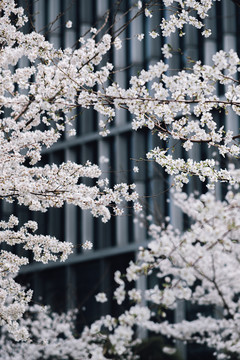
pixel 237 2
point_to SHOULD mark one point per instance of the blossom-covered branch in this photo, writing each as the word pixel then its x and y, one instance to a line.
pixel 36 103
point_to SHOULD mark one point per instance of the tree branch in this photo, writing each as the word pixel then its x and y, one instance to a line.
pixel 237 2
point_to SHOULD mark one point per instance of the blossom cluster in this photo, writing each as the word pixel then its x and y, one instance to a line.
pixel 200 266
pixel 182 15
pixel 182 107
pixel 36 103
pixel 54 335
pixel 14 299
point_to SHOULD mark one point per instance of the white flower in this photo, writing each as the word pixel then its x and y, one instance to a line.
pixel 135 295
pixel 148 13
pixel 188 145
pixel 140 37
pixel 136 169
pixel 69 24
pixel 120 294
pixel 166 51
pixel 103 159
pixel 72 132
pixel 169 350
pixel 153 34
pixel 137 207
pixel 206 33
pixel 104 133
pixel 101 297
pixel 87 245
pixel 139 4
pixel 93 30
pixel 118 43
pixel 118 211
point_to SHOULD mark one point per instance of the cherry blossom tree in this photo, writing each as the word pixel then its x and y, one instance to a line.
pixel 200 265
pixel 36 102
